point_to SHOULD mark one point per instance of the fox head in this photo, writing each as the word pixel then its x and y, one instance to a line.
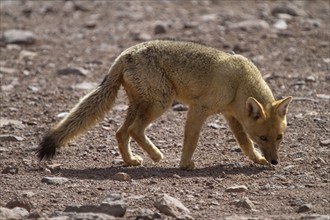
pixel 265 125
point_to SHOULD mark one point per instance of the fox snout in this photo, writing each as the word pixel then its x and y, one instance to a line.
pixel 271 157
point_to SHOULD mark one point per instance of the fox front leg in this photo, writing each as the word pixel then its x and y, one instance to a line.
pixel 244 141
pixel 194 123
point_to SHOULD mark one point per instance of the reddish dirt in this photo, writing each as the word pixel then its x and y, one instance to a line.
pixel 295 61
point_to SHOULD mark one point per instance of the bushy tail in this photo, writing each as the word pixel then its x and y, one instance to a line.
pixel 91 109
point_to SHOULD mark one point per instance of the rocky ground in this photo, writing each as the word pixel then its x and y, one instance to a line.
pixel 66 48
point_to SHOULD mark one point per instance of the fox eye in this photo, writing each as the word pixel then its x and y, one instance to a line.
pixel 279 137
pixel 263 138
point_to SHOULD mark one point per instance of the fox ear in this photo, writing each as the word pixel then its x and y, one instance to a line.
pixel 282 106
pixel 254 108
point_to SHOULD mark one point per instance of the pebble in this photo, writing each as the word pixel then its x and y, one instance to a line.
pixel 54 180
pixel 114 205
pixel 10 169
pixel 6 70
pixel 72 70
pixel 283 9
pixel 214 125
pixel 80 216
pixel 281 25
pixel 315 217
pixel 325 142
pixel 305 208
pixel 245 203
pixel 15 123
pixel 160 27
pixel 15 36
pixel 86 86
pixel 179 108
pixel 249 25
pixel 6 213
pixel 147 214
pixel 122 176
pixel 323 96
pixel 19 202
pixel 62 114
pixel 26 55
pixel 237 188
pixel 172 207
pixel 10 138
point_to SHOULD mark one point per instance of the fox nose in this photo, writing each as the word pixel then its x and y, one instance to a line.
pixel 274 162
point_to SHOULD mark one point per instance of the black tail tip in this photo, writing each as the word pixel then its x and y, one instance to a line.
pixel 47 148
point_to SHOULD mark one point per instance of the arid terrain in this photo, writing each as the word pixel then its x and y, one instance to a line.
pixel 67 47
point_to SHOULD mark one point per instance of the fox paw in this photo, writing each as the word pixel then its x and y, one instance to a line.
pixel 157 157
pixel 261 160
pixel 134 161
pixel 187 165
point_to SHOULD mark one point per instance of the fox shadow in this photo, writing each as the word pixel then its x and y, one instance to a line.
pixel 216 171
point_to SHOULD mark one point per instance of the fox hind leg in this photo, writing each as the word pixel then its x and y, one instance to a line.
pixel 123 139
pixel 147 112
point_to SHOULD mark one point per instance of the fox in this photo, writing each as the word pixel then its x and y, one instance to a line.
pixel 156 73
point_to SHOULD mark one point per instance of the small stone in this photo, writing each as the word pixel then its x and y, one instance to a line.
pixel 72 70
pixel 10 169
pixel 245 203
pixel 10 138
pixel 122 176
pixel 315 217
pixel 325 142
pixel 250 25
pixel 160 27
pixel 147 214
pixel 62 114
pixel 305 208
pixel 179 108
pixel 86 86
pixel 172 207
pixel 238 188
pixel 22 212
pixel 18 37
pixel 15 123
pixel 280 25
pixel 6 70
pixel 283 9
pixel 176 176
pixel 25 55
pixel 214 125
pixel 20 202
pixel 120 107
pixel 54 180
pixel 6 213
pixel 310 79
pixel 323 96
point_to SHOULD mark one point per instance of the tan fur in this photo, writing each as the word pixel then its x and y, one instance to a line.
pixel 209 81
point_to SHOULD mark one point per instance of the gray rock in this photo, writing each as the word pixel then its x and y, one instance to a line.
pixel 25 55
pixel 179 107
pixel 18 37
pixel 122 176
pixel 172 207
pixel 86 85
pixel 283 9
pixel 10 138
pixel 6 213
pixel 214 125
pixel 237 188
pixel 147 214
pixel 72 70
pixel 54 180
pixel 281 25
pixel 249 25
pixel 22 212
pixel 325 142
pixel 305 208
pixel 245 203
pixel 6 70
pixel 81 216
pixel 315 217
pixel 10 169
pixel 113 205
pixel 160 27
pixel 19 202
